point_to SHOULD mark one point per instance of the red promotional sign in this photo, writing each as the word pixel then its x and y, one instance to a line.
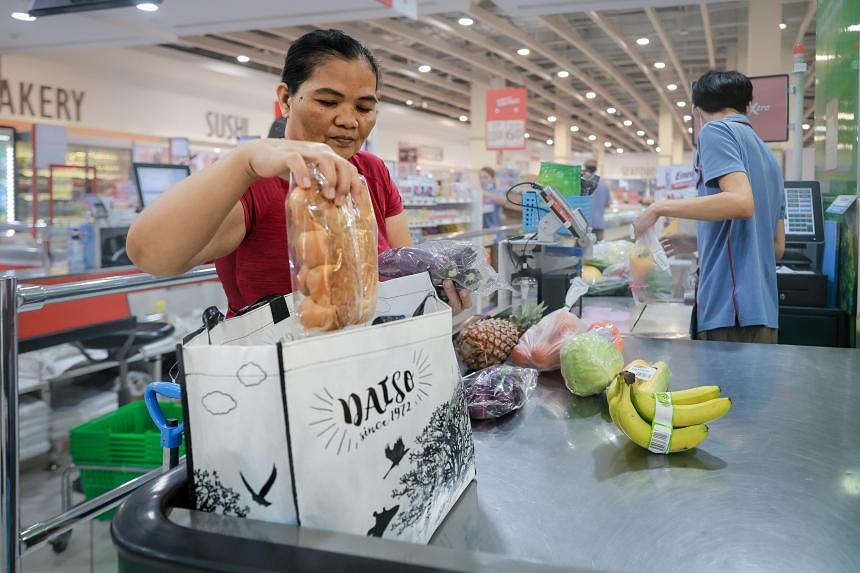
pixel 768 113
pixel 507 111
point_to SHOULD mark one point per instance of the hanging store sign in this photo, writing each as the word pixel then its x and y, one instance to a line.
pixel 506 118
pixel 768 113
pixel 408 8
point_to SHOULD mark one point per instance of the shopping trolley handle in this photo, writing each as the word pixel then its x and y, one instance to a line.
pixel 171 436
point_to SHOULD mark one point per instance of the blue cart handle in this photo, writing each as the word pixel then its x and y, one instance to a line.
pixel 171 437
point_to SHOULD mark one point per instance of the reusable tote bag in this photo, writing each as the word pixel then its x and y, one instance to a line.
pixel 363 430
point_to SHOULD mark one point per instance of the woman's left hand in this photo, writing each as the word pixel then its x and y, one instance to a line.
pixel 458 300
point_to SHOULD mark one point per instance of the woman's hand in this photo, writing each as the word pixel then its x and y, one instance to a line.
pixel 646 220
pixel 281 157
pixel 679 244
pixel 458 300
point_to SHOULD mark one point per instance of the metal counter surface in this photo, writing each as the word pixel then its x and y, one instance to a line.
pixel 775 487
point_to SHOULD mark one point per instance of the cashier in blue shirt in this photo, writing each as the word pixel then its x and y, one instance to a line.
pixel 740 209
pixel 600 199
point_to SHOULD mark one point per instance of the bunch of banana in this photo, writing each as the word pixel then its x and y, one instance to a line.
pixel 632 408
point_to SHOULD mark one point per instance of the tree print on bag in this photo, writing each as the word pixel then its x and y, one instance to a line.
pixel 444 452
pixel 213 496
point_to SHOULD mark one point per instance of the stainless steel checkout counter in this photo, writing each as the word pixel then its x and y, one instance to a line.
pixel 775 487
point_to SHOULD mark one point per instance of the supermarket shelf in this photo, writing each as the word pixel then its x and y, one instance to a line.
pixel 434 202
pixel 425 224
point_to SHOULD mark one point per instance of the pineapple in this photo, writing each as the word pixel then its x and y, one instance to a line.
pixel 487 342
pixel 527 316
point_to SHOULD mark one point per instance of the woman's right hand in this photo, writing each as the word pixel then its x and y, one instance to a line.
pixel 282 157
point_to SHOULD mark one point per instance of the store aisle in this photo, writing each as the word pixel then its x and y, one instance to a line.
pixel 90 549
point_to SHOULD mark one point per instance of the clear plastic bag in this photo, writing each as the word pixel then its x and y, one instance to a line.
pixel 498 390
pixel 540 346
pixel 332 252
pixel 462 262
pixel 650 274
pixel 608 253
pixel 608 331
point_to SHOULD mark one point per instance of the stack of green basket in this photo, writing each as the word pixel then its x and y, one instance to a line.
pixel 126 437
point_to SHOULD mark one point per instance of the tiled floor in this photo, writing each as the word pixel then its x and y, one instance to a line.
pixel 89 549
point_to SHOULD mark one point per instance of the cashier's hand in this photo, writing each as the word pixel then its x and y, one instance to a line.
pixel 281 157
pixel 679 244
pixel 458 300
pixel 645 220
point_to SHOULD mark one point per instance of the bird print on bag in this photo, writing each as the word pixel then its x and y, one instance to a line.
pixel 260 497
pixel 383 518
pixel 395 454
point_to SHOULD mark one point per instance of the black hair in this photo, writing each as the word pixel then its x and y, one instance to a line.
pixel 590 166
pixel 316 48
pixel 715 91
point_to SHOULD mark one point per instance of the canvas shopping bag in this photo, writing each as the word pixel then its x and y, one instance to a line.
pixel 363 430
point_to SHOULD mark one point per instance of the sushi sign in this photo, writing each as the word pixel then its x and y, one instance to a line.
pixel 506 118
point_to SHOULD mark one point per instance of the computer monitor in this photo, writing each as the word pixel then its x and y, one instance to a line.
pixel 804 220
pixel 153 179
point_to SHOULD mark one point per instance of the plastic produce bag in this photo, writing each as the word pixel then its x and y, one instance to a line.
pixel 608 331
pixel 650 274
pixel 498 390
pixel 608 253
pixel 332 252
pixel 462 262
pixel 540 346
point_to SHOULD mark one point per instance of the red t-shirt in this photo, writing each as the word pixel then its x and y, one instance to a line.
pixel 261 265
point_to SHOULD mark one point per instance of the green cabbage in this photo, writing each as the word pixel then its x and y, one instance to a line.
pixel 589 363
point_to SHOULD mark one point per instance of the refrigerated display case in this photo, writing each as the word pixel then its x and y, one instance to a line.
pixel 8 173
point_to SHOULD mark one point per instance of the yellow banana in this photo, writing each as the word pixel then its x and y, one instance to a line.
pixel 685 414
pixel 657 379
pixel 639 431
pixel 695 395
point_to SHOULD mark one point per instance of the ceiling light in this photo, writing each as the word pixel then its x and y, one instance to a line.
pixel 805 126
pixel 465 21
pixel 689 130
pixel 649 141
pixel 23 17
pixel 607 144
pixel 549 142
pixel 643 41
pixel 216 150
pixel 590 95
pixel 658 149
pixel 640 133
pixel 409 102
pixel 611 110
pixel 659 65
pixel 424 68
pixel 243 59
pixel 681 104
pixel 592 137
pixel 147 7
pixel 619 150
pixel 782 26
pixel 672 87
pixel 824 57
pixel 527 135
pixel 688 118
pixel 524 51
pixel 627 123
pixel 563 73
pixel 464 118
pixel 551 118
pixel 423 105
pixel 574 128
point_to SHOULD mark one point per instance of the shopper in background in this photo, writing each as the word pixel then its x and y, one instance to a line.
pixel 233 211
pixel 740 208
pixel 495 199
pixel 600 199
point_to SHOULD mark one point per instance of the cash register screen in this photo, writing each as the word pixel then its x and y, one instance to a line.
pixel 153 179
pixel 803 214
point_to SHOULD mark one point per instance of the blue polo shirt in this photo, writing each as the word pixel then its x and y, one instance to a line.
pixel 737 263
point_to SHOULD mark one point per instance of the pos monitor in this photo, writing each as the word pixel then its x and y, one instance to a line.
pixel 153 179
pixel 804 220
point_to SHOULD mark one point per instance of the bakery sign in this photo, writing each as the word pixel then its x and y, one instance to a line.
pixel 40 101
pixel 506 118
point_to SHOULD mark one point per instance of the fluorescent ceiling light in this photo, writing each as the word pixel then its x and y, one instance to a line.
pixel 658 149
pixel 243 59
pixel 563 73
pixel 574 128
pixel 672 87
pixel 681 104
pixel 409 102
pixel 689 130
pixel 805 126
pixel 465 21
pixel 216 150
pixel 551 118
pixel 424 68
pixel 619 150
pixel 607 144
pixel 782 26
pixel 640 133
pixel 147 7
pixel 424 105
pixel 643 41
pixel 824 57
pixel 611 110
pixel 464 118
pixel 627 123
pixel 592 137
pixel 649 141
pixel 659 65
pixel 524 51
pixel 590 95
pixel 23 17
pixel 688 118
pixel 549 142
pixel 527 135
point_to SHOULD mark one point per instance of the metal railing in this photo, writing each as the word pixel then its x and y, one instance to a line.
pixel 16 298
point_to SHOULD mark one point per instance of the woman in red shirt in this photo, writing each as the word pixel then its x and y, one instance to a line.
pixel 233 211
